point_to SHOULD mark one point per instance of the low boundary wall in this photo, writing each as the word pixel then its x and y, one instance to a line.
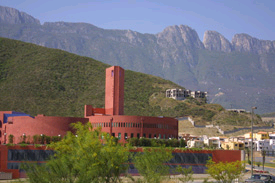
pixel 13 156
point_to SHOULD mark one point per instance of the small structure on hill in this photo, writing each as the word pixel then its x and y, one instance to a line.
pixel 181 94
pixel 237 110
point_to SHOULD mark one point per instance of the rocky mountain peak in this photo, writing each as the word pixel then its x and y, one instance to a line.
pixel 133 37
pixel 247 43
pixel 13 16
pixel 181 35
pixel 214 41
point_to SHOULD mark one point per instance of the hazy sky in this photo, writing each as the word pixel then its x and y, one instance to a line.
pixel 228 17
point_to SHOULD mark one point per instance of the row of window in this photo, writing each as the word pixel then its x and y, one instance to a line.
pixel 133 125
pixel 43 155
pixel 116 124
pixel 138 135
pixel 29 155
pixel 198 160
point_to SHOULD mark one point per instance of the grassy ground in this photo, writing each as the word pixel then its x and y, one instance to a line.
pixel 267 164
pixel 185 127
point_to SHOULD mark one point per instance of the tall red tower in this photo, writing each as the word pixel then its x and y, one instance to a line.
pixel 114 91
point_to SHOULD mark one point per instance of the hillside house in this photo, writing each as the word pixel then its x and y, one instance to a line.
pixel 181 94
pixel 198 94
pixel 195 144
pixel 261 135
pixel 233 145
pixel 263 145
pixel 213 142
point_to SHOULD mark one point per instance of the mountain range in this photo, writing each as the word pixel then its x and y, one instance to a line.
pixel 236 74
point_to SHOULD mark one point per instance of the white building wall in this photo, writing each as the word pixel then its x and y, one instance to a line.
pixel 263 145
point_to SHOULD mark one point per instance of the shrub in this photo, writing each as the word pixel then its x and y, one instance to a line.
pixel 11 139
pixel 150 163
pixel 82 158
pixel 47 139
pixel 35 139
pixel 225 171
pixel 186 174
pixel 55 138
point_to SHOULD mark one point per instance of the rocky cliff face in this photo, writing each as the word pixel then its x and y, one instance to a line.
pixel 246 43
pixel 213 40
pixel 177 44
pixel 13 16
pixel 179 36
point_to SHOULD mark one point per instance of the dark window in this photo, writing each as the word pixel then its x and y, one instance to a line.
pixel 192 158
pixel 119 136
pixel 150 135
pixel 29 155
pixel 113 134
pixel 138 135
pixel 125 135
pixel 144 135
pixel 132 135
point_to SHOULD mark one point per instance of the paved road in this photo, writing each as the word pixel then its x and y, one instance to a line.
pixel 270 169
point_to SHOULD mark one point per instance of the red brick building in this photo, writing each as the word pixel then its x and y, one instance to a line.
pixel 111 118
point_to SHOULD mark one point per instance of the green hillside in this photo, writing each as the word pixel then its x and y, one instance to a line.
pixel 39 80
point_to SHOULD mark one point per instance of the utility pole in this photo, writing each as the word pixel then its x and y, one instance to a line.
pixel 252 139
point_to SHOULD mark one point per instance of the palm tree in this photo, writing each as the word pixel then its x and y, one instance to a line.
pixel 247 151
pixel 263 155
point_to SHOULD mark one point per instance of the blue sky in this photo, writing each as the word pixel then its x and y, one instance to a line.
pixel 228 17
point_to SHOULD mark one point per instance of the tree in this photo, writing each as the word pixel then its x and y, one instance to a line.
pixel 150 163
pixel 225 171
pixel 81 158
pixel 227 147
pixel 247 151
pixel 263 155
pixel 187 174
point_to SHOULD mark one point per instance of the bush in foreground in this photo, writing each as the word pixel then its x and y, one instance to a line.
pixel 82 157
